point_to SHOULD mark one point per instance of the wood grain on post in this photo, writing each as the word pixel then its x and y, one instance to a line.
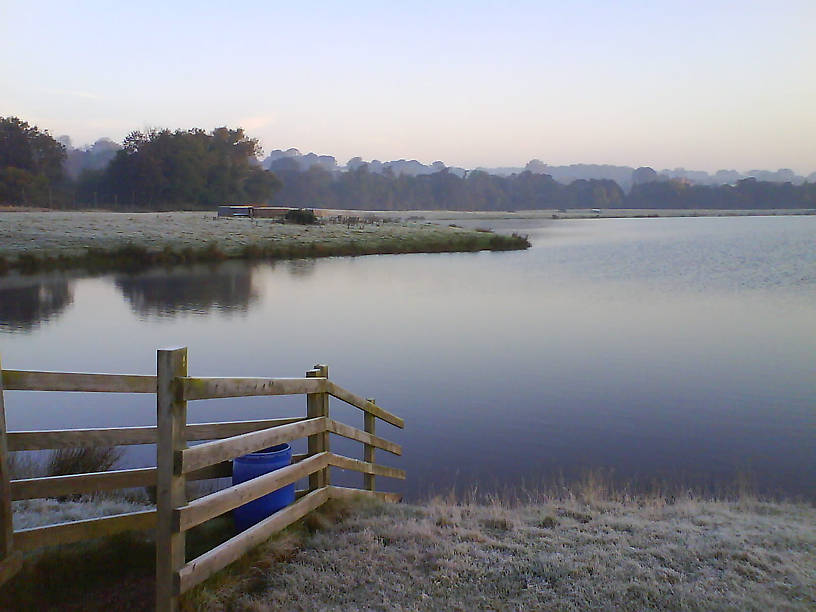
pixel 368 450
pixel 316 442
pixel 171 418
pixel 6 527
pixel 323 372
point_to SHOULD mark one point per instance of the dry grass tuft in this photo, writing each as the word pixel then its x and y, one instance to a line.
pixel 83 459
pixel 24 465
pixel 548 522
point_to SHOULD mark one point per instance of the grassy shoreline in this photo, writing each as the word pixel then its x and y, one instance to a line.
pixel 582 550
pixel 39 241
pixel 561 554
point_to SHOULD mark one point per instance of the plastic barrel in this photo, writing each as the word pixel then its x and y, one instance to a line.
pixel 254 465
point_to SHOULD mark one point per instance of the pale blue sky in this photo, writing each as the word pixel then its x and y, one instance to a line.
pixel 704 85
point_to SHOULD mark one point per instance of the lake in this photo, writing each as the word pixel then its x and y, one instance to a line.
pixel 679 351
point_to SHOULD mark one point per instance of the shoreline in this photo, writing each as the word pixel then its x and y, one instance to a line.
pixel 606 213
pixel 586 549
pixel 33 242
pixel 556 554
pixel 92 241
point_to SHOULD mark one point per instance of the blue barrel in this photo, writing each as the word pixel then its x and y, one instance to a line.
pixel 254 465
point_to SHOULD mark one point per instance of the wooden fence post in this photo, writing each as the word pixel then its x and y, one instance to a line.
pixel 9 561
pixel 171 418
pixel 317 405
pixel 368 450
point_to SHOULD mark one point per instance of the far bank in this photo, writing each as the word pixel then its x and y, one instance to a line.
pixel 35 241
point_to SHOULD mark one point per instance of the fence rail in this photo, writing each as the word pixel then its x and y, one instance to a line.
pixel 19 380
pixel 177 463
pixel 122 436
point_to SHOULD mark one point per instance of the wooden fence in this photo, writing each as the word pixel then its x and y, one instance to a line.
pixel 177 463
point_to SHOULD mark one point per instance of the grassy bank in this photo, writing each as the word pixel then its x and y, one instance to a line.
pixel 37 241
pixel 564 555
pixel 575 552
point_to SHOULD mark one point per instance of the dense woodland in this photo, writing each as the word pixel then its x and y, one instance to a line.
pixel 194 169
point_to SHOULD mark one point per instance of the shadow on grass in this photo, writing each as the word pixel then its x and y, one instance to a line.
pixel 118 572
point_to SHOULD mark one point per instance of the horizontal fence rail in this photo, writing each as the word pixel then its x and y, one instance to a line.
pixel 202 455
pixel 215 388
pixel 122 436
pixel 216 504
pixel 87 529
pixel 19 380
pixel 74 484
pixel 178 462
pixel 364 404
pixel 347 431
pixel 365 467
pixel 204 566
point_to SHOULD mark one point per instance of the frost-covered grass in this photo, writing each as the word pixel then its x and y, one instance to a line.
pixel 38 512
pixel 575 552
pixel 36 240
pixel 564 555
pixel 71 232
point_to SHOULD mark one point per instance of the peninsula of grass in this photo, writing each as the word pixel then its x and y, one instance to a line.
pixel 40 241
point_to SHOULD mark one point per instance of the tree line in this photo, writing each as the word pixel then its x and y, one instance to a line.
pixel 154 170
pixel 194 169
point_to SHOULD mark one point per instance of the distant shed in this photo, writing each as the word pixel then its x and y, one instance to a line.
pixel 235 211
pixel 261 212
pixel 270 212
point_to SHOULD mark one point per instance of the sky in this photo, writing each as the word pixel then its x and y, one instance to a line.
pixel 700 85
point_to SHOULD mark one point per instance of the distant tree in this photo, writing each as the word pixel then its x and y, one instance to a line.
pixel 644 174
pixel 95 157
pixel 30 163
pixel 536 166
pixel 354 163
pixel 161 169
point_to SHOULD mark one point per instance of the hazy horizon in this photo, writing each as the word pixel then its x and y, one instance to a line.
pixel 705 86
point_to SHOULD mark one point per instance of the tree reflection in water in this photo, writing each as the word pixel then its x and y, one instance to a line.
pixel 197 289
pixel 26 302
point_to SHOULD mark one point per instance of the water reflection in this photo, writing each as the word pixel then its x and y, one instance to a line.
pixel 302 268
pixel 197 289
pixel 665 350
pixel 26 303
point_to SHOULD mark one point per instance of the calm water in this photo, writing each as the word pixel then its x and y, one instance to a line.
pixel 679 350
